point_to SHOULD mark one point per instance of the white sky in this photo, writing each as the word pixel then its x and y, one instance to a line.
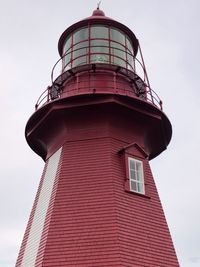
pixel 169 35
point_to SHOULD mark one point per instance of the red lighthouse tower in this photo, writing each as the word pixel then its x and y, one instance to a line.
pixel 96 127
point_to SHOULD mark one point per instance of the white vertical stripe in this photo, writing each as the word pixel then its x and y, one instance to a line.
pixel 35 233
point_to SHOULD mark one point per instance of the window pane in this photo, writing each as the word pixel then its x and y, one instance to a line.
pixel 118 50
pixel 81 45
pixel 140 187
pixel 99 32
pixel 140 176
pixel 118 46
pixel 133 186
pixel 129 46
pixel 133 174
pixel 119 55
pixel 67 44
pixel 79 61
pixel 67 58
pixel 120 62
pixel 139 171
pixel 80 53
pixel 132 164
pixel 80 35
pixel 130 62
pixel 116 35
pixel 99 58
pixel 80 49
pixel 138 166
pixel 129 53
pixel 67 52
pixel 100 46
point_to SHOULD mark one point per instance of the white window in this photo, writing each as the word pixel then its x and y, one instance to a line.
pixel 136 175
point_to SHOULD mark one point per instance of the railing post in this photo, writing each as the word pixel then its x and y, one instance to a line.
pixel 161 105
pixel 145 73
pixel 48 93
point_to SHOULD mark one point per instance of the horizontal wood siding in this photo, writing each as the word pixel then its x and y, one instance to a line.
pixel 83 223
pixel 92 221
pixel 143 234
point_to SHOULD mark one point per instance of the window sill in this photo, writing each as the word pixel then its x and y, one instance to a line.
pixel 137 194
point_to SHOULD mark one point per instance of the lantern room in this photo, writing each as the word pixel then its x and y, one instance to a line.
pixel 99 48
pixel 98 39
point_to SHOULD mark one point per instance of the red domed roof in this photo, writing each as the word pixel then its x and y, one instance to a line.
pixel 98 12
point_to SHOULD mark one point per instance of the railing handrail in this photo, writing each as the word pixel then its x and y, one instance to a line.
pixel 131 73
pixel 151 95
pixel 92 53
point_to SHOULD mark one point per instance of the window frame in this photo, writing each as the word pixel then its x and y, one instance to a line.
pixel 139 177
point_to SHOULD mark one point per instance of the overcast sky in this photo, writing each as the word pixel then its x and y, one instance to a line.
pixel 169 34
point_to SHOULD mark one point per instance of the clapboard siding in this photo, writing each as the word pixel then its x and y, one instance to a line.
pixel 142 229
pixel 83 230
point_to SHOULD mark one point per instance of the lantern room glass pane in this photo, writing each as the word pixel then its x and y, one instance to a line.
pixel 117 36
pixel 79 53
pixel 99 58
pixel 80 35
pixel 67 51
pixel 99 51
pixel 118 57
pixel 129 52
pixel 79 61
pixel 118 50
pixel 99 31
pixel 67 44
pixel 67 58
pixel 80 47
pixel 99 46
pixel 118 61
pixel 129 46
pixel 118 47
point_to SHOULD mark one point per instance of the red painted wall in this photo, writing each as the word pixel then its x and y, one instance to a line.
pixel 92 220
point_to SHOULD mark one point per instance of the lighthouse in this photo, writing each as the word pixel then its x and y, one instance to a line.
pixel 96 127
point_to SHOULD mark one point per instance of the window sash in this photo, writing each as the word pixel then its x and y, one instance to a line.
pixel 136 175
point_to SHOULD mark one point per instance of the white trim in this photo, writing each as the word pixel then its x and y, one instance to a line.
pixel 35 232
